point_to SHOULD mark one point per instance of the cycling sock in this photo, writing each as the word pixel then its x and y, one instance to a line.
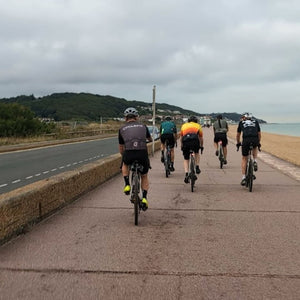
pixel 145 194
pixel 186 174
pixel 244 176
pixel 126 179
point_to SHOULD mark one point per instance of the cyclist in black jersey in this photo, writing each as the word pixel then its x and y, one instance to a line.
pixel 132 146
pixel 251 135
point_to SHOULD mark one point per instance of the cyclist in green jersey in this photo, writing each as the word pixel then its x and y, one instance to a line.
pixel 168 131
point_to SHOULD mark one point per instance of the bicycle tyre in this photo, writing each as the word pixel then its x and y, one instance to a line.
pixel 192 173
pixel 136 198
pixel 221 157
pixel 250 175
pixel 167 171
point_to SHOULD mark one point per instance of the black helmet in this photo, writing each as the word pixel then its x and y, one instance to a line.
pixel 168 118
pixel 131 112
pixel 193 119
pixel 219 116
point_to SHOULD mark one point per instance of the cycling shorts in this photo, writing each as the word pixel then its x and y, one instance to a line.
pixel 169 137
pixel 129 156
pixel 193 145
pixel 220 136
pixel 246 144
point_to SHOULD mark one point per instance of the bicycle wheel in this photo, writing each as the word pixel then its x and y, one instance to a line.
pixel 167 171
pixel 192 172
pixel 135 197
pixel 250 175
pixel 221 157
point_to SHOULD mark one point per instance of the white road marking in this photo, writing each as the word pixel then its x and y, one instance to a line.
pixel 53 170
pixel 16 181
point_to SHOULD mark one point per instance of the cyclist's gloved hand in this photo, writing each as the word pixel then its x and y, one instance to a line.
pixel 238 145
pixel 201 148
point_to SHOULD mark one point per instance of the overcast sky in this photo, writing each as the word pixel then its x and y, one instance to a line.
pixel 204 55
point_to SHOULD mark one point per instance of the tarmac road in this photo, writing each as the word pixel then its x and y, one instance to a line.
pixel 220 242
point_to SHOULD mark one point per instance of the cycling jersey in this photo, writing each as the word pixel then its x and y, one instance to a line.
pixel 220 126
pixel 168 127
pixel 190 131
pixel 250 128
pixel 133 136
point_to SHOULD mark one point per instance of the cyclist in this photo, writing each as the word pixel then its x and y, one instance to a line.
pixel 168 131
pixel 251 134
pixel 191 138
pixel 220 127
pixel 132 146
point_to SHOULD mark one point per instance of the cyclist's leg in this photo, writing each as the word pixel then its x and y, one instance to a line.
pixel 162 147
pixel 196 148
pixel 125 171
pixel 245 151
pixel 186 159
pixel 144 161
pixel 216 145
pixel 224 143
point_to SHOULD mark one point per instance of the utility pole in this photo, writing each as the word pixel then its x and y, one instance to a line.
pixel 153 118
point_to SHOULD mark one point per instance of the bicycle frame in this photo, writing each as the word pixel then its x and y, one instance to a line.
pixel 136 169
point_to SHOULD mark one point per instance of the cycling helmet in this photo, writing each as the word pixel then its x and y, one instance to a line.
pixel 131 112
pixel 168 118
pixel 247 115
pixel 219 116
pixel 193 119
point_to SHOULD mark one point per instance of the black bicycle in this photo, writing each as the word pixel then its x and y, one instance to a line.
pixel 250 168
pixel 167 159
pixel 221 154
pixel 192 172
pixel 135 198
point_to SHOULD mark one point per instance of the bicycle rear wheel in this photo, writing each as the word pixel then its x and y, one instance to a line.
pixel 136 199
pixel 192 172
pixel 221 157
pixel 167 170
pixel 250 175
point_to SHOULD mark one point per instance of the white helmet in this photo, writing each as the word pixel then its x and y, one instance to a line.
pixel 131 112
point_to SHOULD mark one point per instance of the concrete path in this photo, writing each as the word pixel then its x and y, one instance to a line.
pixel 220 242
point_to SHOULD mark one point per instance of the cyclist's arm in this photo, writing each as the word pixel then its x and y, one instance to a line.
pixel 148 135
pixel 121 148
pixel 121 143
pixel 238 137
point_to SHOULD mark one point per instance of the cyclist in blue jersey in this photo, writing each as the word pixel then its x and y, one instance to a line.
pixel 168 131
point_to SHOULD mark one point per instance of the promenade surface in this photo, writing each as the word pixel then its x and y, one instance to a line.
pixel 220 242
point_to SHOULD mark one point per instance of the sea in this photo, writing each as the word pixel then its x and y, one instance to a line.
pixel 292 129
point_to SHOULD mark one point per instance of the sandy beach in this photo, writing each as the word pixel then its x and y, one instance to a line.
pixel 282 146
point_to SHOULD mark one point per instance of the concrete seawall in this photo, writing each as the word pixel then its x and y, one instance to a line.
pixel 21 208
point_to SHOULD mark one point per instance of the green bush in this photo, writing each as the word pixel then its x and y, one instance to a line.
pixel 19 121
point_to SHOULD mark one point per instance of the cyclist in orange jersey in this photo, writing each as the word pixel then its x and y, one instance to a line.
pixel 191 138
